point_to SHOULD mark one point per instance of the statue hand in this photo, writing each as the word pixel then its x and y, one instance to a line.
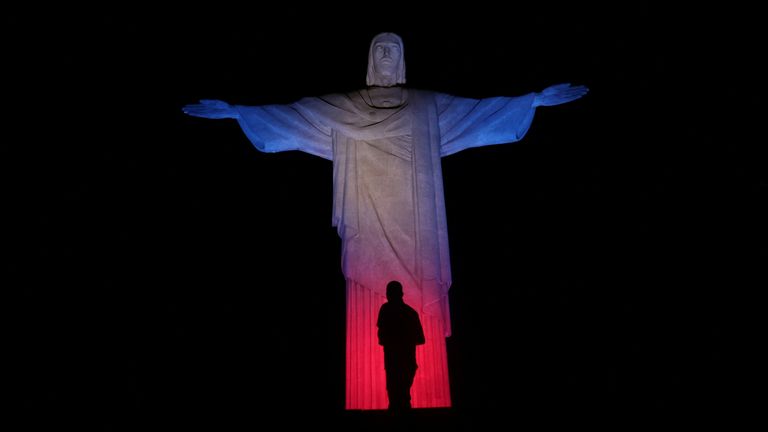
pixel 210 108
pixel 559 94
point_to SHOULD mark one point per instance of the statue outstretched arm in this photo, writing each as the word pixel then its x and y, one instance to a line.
pixel 271 128
pixel 466 123
pixel 559 94
pixel 211 109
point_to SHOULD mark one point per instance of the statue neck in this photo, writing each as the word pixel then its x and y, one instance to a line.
pixel 386 97
pixel 385 80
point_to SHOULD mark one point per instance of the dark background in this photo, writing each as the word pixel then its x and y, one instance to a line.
pixel 173 277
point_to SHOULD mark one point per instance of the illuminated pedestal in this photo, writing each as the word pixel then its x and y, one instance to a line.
pixel 366 384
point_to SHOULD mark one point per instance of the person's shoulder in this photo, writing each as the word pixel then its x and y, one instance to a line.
pixel 410 309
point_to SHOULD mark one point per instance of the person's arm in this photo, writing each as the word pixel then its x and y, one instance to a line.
pixel 420 339
pixel 381 325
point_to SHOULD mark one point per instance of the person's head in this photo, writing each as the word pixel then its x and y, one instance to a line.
pixel 386 64
pixel 394 291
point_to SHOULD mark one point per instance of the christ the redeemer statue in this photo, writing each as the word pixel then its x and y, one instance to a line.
pixel 386 142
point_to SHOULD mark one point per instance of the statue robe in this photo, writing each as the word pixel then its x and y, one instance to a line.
pixel 389 208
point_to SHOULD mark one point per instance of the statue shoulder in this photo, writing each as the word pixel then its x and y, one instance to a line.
pixel 422 92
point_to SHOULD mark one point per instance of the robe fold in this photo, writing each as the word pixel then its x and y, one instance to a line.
pixel 389 208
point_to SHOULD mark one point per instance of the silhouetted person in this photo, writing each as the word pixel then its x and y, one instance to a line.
pixel 399 332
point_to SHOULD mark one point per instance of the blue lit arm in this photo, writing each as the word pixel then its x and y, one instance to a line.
pixel 272 128
pixel 210 109
pixel 465 123
pixel 559 94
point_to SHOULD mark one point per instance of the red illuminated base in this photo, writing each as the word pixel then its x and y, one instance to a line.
pixel 366 385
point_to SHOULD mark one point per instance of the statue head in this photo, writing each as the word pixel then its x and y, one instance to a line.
pixel 386 66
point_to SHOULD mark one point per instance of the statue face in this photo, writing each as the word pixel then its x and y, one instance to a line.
pixel 386 57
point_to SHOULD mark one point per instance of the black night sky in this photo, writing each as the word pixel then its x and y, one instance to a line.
pixel 173 277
